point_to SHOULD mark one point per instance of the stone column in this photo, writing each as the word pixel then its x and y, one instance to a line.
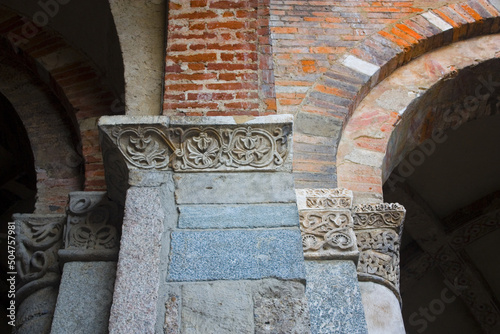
pixel 89 255
pixel 39 237
pixel 331 255
pixel 378 230
pixel 210 240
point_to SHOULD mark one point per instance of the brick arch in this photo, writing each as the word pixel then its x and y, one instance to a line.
pixel 330 102
pixel 392 120
pixel 71 77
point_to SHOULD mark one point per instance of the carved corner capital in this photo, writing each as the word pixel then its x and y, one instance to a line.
pixel 92 228
pixel 328 235
pixel 326 224
pixel 38 238
pixel 201 144
pixel 378 230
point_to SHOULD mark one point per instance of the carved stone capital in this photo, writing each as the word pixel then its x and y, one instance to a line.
pixel 91 228
pixel 326 224
pixel 202 144
pixel 38 238
pixel 324 199
pixel 378 230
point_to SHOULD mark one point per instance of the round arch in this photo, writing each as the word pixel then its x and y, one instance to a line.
pixel 397 115
pixel 332 99
pixel 72 78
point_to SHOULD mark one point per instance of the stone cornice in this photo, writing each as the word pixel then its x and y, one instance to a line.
pixel 201 144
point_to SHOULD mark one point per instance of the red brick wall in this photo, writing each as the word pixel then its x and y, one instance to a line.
pixel 219 59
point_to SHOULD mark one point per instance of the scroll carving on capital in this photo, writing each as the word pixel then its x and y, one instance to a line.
pixel 91 228
pixel 203 144
pixel 326 224
pixel 327 234
pixel 378 230
pixel 39 237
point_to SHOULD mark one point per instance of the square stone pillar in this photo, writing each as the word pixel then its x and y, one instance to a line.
pixel 89 255
pixel 210 240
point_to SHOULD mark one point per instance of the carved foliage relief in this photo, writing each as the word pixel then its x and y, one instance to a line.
pixel 378 231
pixel 326 223
pixel 204 148
pixel 92 222
pixel 38 240
pixel 326 233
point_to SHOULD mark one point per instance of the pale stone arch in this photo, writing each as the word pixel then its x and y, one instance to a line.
pixel 141 27
pixel 367 154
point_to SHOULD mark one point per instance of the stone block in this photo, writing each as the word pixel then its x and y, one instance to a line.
pixel 85 297
pixel 496 4
pixel 236 254
pixel 318 125
pixel 235 188
pixel 280 307
pixel 245 306
pixel 334 298
pixel 138 275
pixel 216 307
pixel 238 216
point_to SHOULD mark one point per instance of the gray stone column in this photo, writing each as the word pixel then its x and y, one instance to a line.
pixel 39 237
pixel 378 229
pixel 331 255
pixel 89 255
pixel 210 240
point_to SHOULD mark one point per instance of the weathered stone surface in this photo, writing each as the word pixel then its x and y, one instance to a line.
pixel 141 30
pixel 334 298
pixel 496 3
pixel 324 199
pixel 172 316
pixel 318 125
pixel 245 306
pixel 382 309
pixel 218 307
pixel 236 254
pixel 238 216
pixel 137 279
pixel 235 188
pixel 36 312
pixel 85 297
pixel 280 307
